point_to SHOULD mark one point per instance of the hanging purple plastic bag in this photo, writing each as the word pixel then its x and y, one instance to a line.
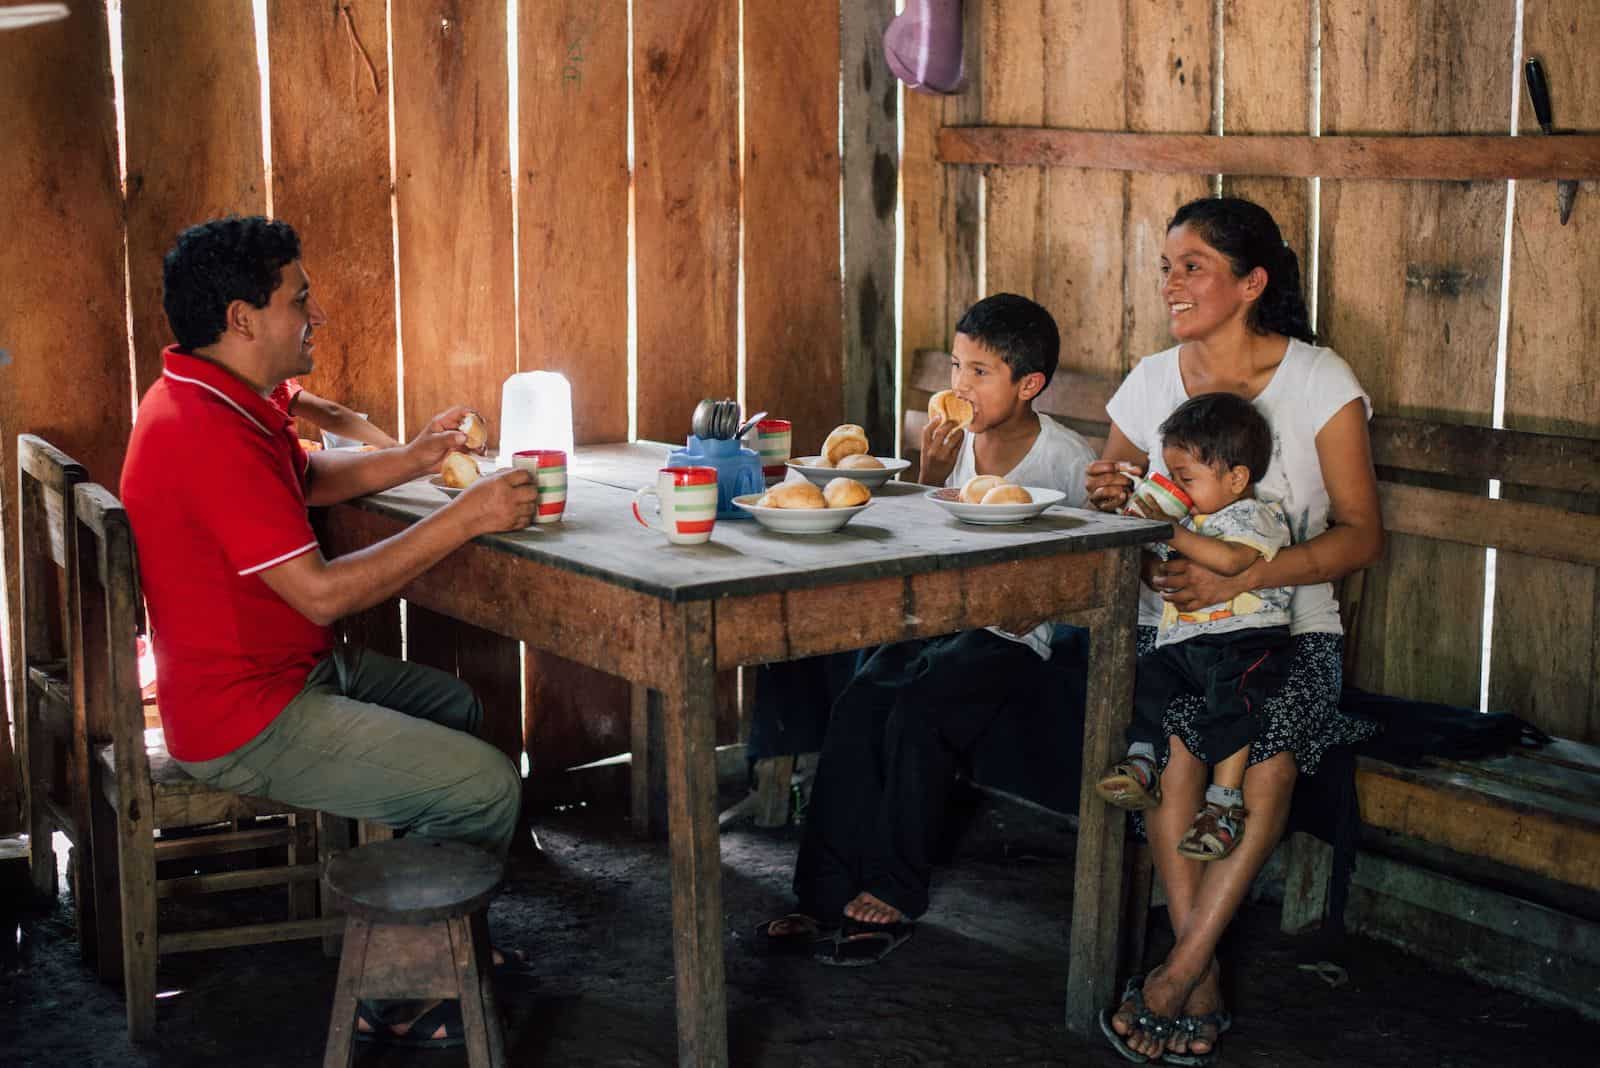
pixel 923 46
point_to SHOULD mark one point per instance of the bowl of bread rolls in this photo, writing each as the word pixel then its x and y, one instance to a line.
pixel 803 508
pixel 458 472
pixel 847 454
pixel 989 500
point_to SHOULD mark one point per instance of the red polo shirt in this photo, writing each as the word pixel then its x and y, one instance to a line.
pixel 214 488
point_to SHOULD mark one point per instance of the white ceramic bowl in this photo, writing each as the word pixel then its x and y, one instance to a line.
pixel 870 477
pixel 949 499
pixel 437 482
pixel 799 520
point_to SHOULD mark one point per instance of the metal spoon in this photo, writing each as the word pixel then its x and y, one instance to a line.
pixel 727 419
pixel 700 422
pixel 748 423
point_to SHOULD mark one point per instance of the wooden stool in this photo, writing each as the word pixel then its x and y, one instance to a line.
pixel 416 927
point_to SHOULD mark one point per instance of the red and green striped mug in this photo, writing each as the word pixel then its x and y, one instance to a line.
pixel 549 470
pixel 686 500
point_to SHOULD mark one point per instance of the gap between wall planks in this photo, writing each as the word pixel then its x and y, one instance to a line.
pixel 453 204
pixel 1547 614
pixel 1414 268
pixel 191 103
pixel 870 177
pixel 793 327
pixel 572 199
pixel 330 180
pixel 572 195
pixel 61 285
pixel 686 208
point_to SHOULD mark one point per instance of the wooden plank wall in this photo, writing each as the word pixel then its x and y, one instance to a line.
pixel 1406 275
pixel 417 263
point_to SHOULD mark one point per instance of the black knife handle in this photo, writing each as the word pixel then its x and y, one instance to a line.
pixel 1538 92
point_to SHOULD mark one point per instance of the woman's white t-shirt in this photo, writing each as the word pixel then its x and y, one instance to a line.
pixel 1309 386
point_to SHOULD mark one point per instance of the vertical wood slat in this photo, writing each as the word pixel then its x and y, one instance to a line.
pixel 1055 234
pixel 572 198
pixel 1547 614
pixel 1169 59
pixel 1409 286
pixel 792 305
pixel 330 180
pixel 61 282
pixel 686 208
pixel 1267 72
pixel 192 106
pixel 939 208
pixel 453 205
pixel 870 170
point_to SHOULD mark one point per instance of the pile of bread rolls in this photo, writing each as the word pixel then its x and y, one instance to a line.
pixel 992 489
pixel 846 448
pixel 838 493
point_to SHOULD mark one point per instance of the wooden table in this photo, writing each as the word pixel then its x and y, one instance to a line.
pixel 602 590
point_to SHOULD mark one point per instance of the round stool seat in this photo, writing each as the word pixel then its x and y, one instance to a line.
pixel 413 880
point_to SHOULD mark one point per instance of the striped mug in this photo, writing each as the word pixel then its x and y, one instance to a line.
pixel 686 498
pixel 549 470
pixel 770 440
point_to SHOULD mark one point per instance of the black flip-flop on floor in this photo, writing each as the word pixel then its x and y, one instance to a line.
pixel 800 942
pixel 860 944
pixel 419 1035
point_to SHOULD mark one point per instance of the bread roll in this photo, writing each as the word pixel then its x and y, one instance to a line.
pixel 846 440
pixel 954 409
pixel 476 428
pixel 793 495
pixel 845 493
pixel 860 461
pixel 458 471
pixel 1006 493
pixel 977 486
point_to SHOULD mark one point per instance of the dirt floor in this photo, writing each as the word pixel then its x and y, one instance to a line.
pixel 982 983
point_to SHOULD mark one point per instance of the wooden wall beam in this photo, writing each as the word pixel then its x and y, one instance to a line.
pixel 1443 158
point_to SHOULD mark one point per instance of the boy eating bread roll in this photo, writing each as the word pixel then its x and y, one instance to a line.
pixel 916 708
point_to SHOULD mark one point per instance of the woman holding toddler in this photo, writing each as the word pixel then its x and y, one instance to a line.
pixel 1232 289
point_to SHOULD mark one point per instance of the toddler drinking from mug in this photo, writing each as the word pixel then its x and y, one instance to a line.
pixel 1216 447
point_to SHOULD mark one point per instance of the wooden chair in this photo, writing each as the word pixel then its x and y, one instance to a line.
pixel 53 738
pixel 136 789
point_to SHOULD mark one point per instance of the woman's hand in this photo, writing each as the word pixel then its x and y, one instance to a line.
pixel 1189 586
pixel 1109 482
pixel 941 445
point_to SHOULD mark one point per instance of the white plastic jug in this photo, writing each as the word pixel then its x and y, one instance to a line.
pixel 535 413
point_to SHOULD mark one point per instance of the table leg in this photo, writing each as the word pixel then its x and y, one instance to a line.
pixel 1099 876
pixel 690 744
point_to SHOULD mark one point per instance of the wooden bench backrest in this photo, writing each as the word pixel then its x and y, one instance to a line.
pixel 46 478
pixel 106 616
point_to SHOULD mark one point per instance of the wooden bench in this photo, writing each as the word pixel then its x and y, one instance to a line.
pixel 1536 811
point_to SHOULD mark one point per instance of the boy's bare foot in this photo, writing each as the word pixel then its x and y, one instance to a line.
pixel 866 908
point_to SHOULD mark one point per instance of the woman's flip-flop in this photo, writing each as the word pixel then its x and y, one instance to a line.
pixel 860 944
pixel 1158 1027
pixel 800 940
pixel 1192 1026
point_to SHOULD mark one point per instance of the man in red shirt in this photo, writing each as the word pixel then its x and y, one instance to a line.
pixel 255 696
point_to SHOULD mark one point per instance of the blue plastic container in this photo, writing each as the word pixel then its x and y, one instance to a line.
pixel 738 470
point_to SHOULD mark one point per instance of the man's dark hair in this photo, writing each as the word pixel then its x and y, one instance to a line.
pixel 1020 331
pixel 1221 429
pixel 218 262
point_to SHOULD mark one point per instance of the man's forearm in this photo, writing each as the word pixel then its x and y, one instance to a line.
pixel 370 576
pixel 341 476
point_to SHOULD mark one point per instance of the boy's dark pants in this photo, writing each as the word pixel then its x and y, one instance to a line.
pixel 889 759
pixel 1236 672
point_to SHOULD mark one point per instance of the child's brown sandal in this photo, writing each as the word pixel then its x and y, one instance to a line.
pixel 1215 832
pixel 1134 783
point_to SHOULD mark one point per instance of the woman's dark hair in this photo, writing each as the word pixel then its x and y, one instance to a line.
pixel 1020 331
pixel 1247 234
pixel 218 262
pixel 1221 429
